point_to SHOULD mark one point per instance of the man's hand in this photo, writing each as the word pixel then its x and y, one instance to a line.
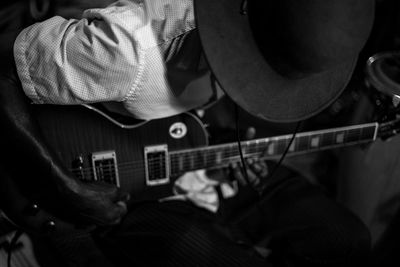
pixel 44 177
pixel 257 172
pixel 96 202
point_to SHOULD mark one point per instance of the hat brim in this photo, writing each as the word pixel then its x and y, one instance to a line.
pixel 246 76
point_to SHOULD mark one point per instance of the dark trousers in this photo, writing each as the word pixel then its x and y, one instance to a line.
pixel 293 220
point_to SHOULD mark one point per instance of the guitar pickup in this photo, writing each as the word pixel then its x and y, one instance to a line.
pixel 156 165
pixel 105 167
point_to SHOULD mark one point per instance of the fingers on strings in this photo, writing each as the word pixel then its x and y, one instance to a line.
pixel 256 169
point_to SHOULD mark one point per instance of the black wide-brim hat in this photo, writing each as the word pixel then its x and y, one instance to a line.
pixel 283 60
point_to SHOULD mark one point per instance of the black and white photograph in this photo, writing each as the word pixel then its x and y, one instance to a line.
pixel 199 133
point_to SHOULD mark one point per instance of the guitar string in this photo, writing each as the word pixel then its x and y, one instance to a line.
pixel 232 152
pixel 193 161
pixel 185 157
pixel 197 164
pixel 187 160
pixel 266 141
pixel 251 144
pixel 109 168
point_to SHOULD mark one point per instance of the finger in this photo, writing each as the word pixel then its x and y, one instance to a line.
pixel 218 175
pixel 251 174
pixel 125 197
pixel 117 213
pixel 122 208
pixel 255 166
pixel 119 195
pixel 260 167
pixel 250 133
pixel 253 178
pixel 236 174
pixel 264 168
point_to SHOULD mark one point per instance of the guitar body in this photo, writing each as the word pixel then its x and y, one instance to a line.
pixel 144 158
pixel 77 134
pixel 83 137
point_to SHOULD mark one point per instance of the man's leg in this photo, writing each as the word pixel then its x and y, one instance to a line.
pixel 174 233
pixel 302 226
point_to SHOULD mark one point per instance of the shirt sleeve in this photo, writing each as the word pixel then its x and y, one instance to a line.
pixel 97 58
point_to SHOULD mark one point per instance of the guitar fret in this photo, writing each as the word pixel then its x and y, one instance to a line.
pixel 278 148
pixel 198 159
pixel 218 157
pixel 210 159
pixel 253 147
pixel 204 155
pixel 173 163
pixel 187 161
pixel 303 143
pixel 234 150
pixel 352 135
pixel 367 133
pixel 191 159
pixel 221 155
pixel 263 146
pixel 327 139
pixel 227 153
pixel 180 163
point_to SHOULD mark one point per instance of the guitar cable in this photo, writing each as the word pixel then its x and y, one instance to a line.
pixel 244 166
pixel 279 163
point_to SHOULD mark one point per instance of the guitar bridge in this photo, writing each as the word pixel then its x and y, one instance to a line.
pixel 156 165
pixel 104 166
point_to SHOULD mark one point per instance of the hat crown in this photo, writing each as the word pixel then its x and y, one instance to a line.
pixel 286 60
pixel 299 37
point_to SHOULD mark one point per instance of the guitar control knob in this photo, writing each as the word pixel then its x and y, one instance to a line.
pixel 49 226
pixel 32 209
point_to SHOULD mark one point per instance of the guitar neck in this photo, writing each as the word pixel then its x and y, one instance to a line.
pixel 272 147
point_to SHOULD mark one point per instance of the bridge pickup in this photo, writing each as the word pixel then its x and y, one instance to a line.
pixel 105 167
pixel 156 165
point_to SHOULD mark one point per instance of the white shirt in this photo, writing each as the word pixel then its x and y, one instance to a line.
pixel 145 55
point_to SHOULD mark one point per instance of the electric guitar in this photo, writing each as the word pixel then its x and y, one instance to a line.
pixel 146 158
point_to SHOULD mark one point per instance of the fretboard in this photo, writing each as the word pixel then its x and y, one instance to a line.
pixel 271 147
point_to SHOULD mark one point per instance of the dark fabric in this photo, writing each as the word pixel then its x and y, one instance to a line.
pixel 293 220
pixel 386 251
pixel 303 226
pixel 75 250
pixel 175 234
